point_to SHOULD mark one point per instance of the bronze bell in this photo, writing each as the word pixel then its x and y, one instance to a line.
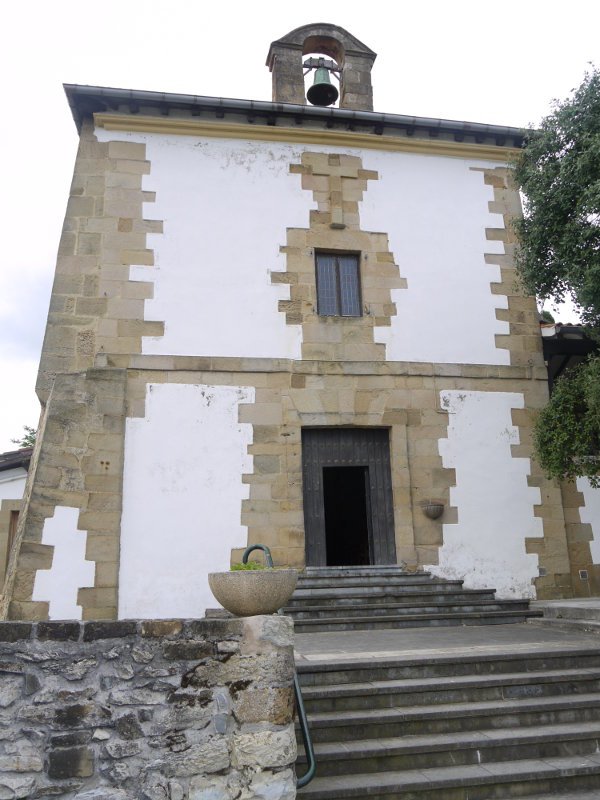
pixel 322 92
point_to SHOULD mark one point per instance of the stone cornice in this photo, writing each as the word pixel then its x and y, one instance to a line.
pixel 303 135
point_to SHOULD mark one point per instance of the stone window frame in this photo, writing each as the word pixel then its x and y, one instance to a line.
pixel 357 257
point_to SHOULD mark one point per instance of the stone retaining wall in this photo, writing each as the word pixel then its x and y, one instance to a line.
pixel 173 709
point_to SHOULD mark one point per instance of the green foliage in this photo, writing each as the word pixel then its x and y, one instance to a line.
pixel 559 174
pixel 27 439
pixel 567 430
pixel 547 316
pixel 250 565
pixel 559 256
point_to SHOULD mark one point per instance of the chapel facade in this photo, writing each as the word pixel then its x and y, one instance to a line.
pixel 290 324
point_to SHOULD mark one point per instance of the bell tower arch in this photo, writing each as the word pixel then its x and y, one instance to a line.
pixel 353 58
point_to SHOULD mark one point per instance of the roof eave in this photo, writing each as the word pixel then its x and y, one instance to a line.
pixel 85 100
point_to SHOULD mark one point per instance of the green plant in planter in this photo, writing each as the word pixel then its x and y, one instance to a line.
pixel 250 565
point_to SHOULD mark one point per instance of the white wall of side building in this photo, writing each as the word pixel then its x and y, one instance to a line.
pixel 590 513
pixel 12 483
pixel 12 487
pixel 182 498
pixel 226 205
pixel 495 505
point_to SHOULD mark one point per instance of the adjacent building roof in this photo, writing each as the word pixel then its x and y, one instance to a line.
pixel 564 347
pixel 16 458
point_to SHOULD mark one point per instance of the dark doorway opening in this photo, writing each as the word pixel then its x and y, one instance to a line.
pixel 347 515
pixel 347 494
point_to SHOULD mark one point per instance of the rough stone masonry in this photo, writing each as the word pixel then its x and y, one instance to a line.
pixel 173 709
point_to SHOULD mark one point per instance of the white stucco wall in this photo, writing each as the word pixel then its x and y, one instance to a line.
pixel 435 211
pixel 70 571
pixel 486 547
pixel 590 513
pixel 12 483
pixel 226 205
pixel 183 494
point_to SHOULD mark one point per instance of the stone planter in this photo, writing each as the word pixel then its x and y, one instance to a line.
pixel 252 592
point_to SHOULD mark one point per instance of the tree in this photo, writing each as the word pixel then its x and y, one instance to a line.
pixel 567 430
pixel 558 255
pixel 27 439
pixel 559 173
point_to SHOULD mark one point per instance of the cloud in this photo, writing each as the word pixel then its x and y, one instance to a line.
pixel 18 402
pixel 25 295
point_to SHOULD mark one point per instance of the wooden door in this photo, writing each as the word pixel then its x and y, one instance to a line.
pixel 348 447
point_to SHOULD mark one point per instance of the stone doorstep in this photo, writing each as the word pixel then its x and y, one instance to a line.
pixel 358 591
pixel 326 578
pixel 393 581
pixel 354 572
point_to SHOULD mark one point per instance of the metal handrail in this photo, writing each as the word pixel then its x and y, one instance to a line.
pixel 306 737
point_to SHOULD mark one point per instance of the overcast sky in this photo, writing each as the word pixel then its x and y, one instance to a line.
pixel 478 61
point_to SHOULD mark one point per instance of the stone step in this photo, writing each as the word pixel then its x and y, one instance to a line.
pixel 505 779
pixel 383 596
pixel 572 615
pixel 588 625
pixel 374 609
pixel 347 582
pixel 455 725
pixel 365 598
pixel 391 621
pixel 419 691
pixel 359 572
pixel 588 609
pixel 574 795
pixel 359 594
pixel 332 726
pixel 434 665
pixel 452 749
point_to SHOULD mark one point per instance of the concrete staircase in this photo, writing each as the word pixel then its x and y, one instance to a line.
pixel 465 727
pixel 371 598
pixel 514 721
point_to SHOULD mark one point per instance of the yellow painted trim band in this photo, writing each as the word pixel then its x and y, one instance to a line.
pixel 303 135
